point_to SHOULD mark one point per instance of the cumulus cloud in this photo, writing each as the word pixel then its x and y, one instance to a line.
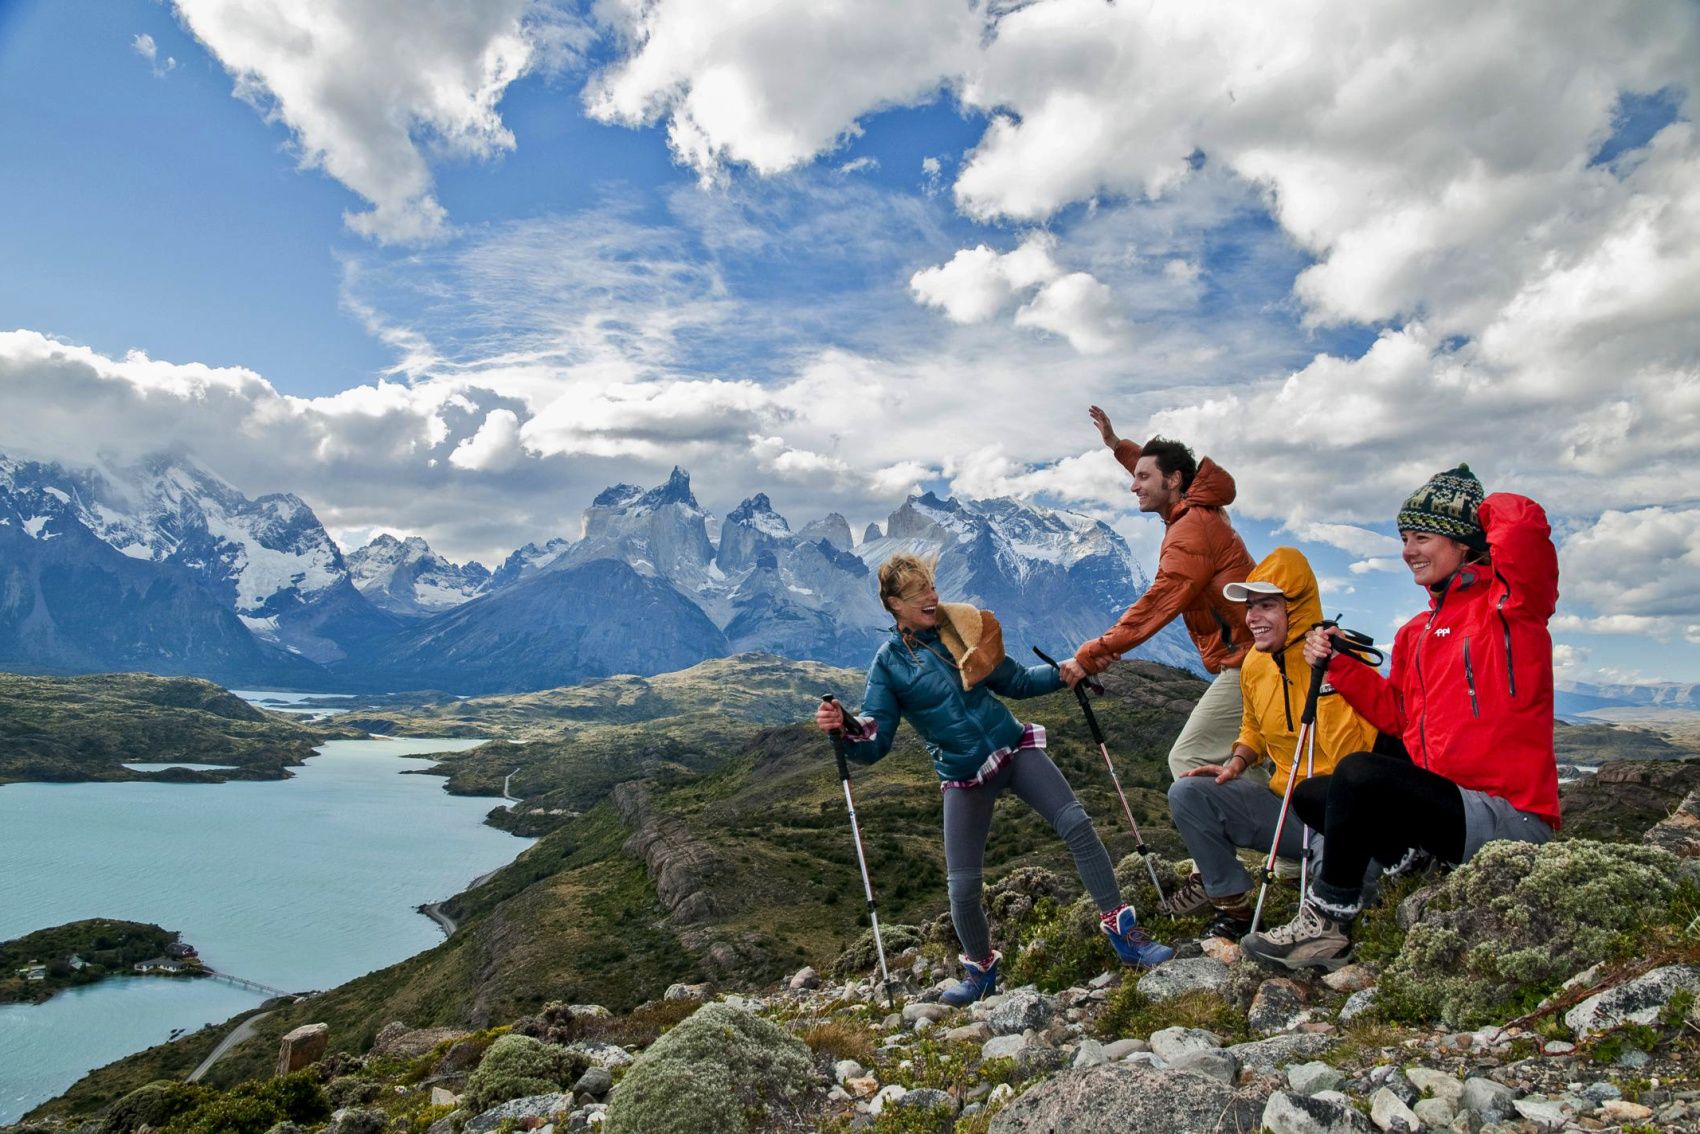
pixel 1637 570
pixel 367 89
pixel 770 85
pixel 494 447
pixel 979 283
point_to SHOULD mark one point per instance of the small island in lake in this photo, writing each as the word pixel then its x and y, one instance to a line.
pixel 37 965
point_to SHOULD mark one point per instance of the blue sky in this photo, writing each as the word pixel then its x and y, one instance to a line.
pixel 449 273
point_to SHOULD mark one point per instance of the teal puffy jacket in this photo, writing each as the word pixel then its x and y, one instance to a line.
pixel 919 683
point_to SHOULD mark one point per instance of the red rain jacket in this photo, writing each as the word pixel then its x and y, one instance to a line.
pixel 1470 690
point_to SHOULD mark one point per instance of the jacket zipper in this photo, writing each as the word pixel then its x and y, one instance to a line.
pixel 1286 693
pixel 1505 625
pixel 1470 679
pixel 1227 631
pixel 1422 718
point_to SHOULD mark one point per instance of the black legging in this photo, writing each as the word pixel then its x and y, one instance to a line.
pixel 1379 807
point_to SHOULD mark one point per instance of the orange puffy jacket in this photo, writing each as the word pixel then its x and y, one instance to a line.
pixel 1201 554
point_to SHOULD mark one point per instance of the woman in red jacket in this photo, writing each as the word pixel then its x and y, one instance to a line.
pixel 1470 694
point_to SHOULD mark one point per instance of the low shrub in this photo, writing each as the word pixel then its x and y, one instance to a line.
pixel 517 1066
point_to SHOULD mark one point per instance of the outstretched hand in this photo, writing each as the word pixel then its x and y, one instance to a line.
pixel 1072 672
pixel 1105 430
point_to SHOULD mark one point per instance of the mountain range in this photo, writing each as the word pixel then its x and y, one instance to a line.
pixel 162 566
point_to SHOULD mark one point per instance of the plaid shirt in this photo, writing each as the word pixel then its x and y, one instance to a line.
pixel 1033 736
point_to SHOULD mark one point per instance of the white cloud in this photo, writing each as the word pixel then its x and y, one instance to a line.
pixel 979 283
pixel 144 45
pixel 1365 566
pixel 770 85
pixel 1347 537
pixel 494 447
pixel 1637 570
pixel 366 87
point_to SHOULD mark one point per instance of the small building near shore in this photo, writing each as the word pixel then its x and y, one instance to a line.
pixel 33 971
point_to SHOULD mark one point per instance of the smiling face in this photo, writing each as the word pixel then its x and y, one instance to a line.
pixel 1266 618
pixel 915 609
pixel 1432 557
pixel 1156 492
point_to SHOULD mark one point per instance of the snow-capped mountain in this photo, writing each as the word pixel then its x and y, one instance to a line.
pixel 406 577
pixel 526 562
pixel 268 559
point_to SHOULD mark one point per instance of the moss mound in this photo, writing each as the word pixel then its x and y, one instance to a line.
pixel 518 1066
pixel 1518 920
pixel 718 1072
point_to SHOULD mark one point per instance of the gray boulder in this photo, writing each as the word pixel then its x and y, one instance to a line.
pixel 1486 1100
pixel 1219 1065
pixel 1309 1078
pixel 1270 1056
pixel 1286 1113
pixel 1278 1007
pixel 518 1110
pixel 1021 1010
pixel 302 1046
pixel 1170 1044
pixel 1184 975
pixel 1636 1002
pixel 1118 1097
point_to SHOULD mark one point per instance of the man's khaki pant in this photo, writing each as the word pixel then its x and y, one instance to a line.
pixel 1209 734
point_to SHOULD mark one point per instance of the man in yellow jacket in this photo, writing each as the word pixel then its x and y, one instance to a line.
pixel 1216 810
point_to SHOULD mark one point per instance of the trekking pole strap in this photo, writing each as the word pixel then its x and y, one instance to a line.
pixel 838 741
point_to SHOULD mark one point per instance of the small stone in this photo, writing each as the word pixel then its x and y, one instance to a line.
pixel 1558 1047
pixel 1437 1083
pixel 805 978
pixel 1634 1059
pixel 1001 1094
pixel 926 1098
pixel 1435 1112
pixel 1461 1040
pixel 602 1054
pixel 590 1011
pixel 1622 1110
pixel 1601 1092
pixel 1122 1048
pixel 1357 1004
pixel 1090 1054
pixel 1277 1007
pixel 1318 1027
pixel 1221 949
pixel 862 1086
pixel 1635 1002
pixel 1003 1047
pixel 846 1069
pixel 977 1032
pixel 1548 1114
pixel 1268 1057
pixel 1389 1112
pixel 1219 1065
pixel 887 1095
pixel 442 1096
pixel 1486 1100
pixel 596 1082
pixel 1309 1078
pixel 1170 1044
pixel 913 1012
pixel 1350 978
pixel 687 992
pixel 1103 980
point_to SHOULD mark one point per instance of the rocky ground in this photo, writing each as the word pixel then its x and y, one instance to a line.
pixel 1535 990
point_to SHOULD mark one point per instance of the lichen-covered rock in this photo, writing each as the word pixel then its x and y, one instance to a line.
pixel 520 1067
pixel 1625 797
pixel 302 1046
pixel 1021 1010
pixel 1517 920
pixel 402 1042
pixel 713 1073
pixel 538 1108
pixel 1286 1113
pixel 1184 975
pixel 1679 832
pixel 1272 1055
pixel 1279 1006
pixel 1118 1097
pixel 1639 1001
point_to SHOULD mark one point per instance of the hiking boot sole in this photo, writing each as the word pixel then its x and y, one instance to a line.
pixel 1318 964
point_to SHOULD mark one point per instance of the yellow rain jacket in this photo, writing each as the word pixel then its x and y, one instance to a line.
pixel 1273 686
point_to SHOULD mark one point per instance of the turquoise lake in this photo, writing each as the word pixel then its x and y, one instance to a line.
pixel 299 884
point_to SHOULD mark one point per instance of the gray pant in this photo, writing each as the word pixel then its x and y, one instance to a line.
pixel 968 820
pixel 1215 819
pixel 1210 731
pixel 1488 817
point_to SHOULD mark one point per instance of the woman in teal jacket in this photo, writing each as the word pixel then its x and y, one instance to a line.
pixel 938 672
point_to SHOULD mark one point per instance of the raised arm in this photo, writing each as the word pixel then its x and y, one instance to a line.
pixel 1182 574
pixel 1520 541
pixel 878 718
pixel 1012 680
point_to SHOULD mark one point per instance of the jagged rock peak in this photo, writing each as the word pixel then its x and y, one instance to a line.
pixel 677 490
pixel 833 528
pixel 757 512
pixel 871 533
pixel 616 496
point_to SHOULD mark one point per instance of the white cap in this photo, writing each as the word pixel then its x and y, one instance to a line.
pixel 1243 592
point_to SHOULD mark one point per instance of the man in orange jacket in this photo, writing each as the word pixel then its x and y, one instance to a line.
pixel 1201 554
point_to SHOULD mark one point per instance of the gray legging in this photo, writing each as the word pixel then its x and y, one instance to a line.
pixel 968 820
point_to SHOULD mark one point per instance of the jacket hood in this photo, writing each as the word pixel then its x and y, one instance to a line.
pixel 1287 568
pixel 1211 487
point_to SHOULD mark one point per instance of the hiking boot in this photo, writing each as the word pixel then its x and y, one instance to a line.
pixel 1131 943
pixel 1189 898
pixel 1311 940
pixel 1228 926
pixel 1416 861
pixel 979 980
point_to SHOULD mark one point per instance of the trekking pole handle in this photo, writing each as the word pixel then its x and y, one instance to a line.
pixel 1095 686
pixel 1354 644
pixel 837 738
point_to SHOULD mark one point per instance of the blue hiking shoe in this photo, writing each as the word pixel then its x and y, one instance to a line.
pixel 978 982
pixel 1132 944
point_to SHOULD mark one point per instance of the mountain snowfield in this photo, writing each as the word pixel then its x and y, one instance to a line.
pixel 652 581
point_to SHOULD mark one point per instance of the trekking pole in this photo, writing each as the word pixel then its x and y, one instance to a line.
pixel 861 857
pixel 1353 644
pixel 1139 843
